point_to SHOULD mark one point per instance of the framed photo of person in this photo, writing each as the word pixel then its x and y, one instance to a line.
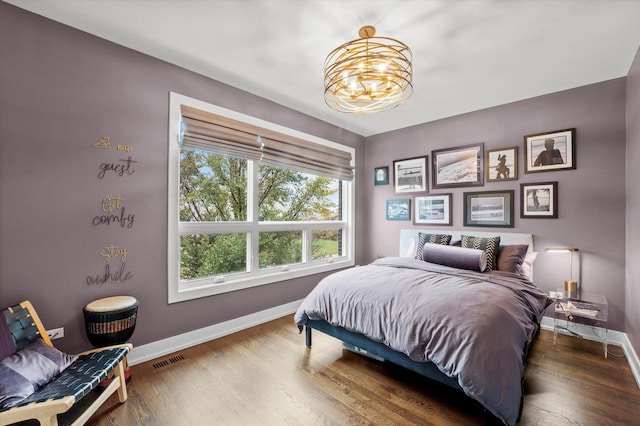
pixel 433 210
pixel 489 208
pixel 411 175
pixel 399 209
pixel 456 167
pixel 381 176
pixel 539 200
pixel 550 151
pixel 501 164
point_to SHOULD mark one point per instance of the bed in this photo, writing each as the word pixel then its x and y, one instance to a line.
pixel 433 311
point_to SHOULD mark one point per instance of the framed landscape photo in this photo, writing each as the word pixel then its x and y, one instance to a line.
pixel 502 164
pixel 489 208
pixel 399 209
pixel 432 210
pixel 456 167
pixel 550 151
pixel 381 176
pixel 539 200
pixel 410 175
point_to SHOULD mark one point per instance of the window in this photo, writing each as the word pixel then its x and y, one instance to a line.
pixel 251 203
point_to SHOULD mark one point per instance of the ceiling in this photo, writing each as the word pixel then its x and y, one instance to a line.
pixel 468 54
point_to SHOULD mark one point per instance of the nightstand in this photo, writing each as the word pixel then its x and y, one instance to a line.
pixel 582 307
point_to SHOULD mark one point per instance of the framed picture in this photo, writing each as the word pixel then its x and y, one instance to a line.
pixel 381 176
pixel 539 200
pixel 399 209
pixel 410 175
pixel 546 152
pixel 432 210
pixel 502 164
pixel 456 167
pixel 489 208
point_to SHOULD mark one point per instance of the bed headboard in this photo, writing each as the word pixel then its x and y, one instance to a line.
pixel 407 236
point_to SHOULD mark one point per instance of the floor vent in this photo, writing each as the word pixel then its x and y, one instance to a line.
pixel 167 362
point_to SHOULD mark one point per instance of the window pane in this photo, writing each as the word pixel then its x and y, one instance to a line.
pixel 213 188
pixel 287 195
pixel 280 248
pixel 209 255
pixel 326 243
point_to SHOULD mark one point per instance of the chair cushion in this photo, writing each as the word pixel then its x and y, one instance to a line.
pixel 29 368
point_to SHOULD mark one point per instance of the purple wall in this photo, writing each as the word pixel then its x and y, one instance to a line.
pixel 591 198
pixel 61 90
pixel 632 290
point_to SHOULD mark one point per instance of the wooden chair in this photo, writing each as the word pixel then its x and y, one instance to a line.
pixel 70 386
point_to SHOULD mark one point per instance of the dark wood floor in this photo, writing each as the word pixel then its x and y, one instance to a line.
pixel 266 376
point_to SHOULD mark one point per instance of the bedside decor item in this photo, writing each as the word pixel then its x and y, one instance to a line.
pixel 570 286
pixel 456 167
pixel 381 176
pixel 488 208
pixel 501 164
pixel 399 209
pixel 550 151
pixel 367 75
pixel 539 200
pixel 433 210
pixel 411 175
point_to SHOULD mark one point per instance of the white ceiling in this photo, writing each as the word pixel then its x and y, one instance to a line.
pixel 468 54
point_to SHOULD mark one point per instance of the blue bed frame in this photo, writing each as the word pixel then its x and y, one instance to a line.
pixel 427 369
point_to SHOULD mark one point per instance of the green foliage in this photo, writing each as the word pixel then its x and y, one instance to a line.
pixel 214 188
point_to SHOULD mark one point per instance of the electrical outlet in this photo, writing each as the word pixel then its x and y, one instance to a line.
pixel 56 333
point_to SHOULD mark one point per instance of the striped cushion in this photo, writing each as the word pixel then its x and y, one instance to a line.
pixel 422 239
pixel 489 245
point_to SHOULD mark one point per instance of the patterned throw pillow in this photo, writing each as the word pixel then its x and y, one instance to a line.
pixel 489 245
pixel 443 239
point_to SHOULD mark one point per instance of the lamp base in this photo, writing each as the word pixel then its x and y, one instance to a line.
pixel 571 287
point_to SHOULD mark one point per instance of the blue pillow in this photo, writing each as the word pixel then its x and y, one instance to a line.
pixel 31 367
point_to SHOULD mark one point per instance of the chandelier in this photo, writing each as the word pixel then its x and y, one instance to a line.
pixel 367 75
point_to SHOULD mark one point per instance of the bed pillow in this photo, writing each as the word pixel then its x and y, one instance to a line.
pixel 456 257
pixel 7 345
pixel 489 245
pixel 511 257
pixel 23 372
pixel 422 239
pixel 527 264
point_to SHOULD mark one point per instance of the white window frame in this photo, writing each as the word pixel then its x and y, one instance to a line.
pixel 181 290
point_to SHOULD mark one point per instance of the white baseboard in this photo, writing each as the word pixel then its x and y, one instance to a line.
pixel 615 338
pixel 177 343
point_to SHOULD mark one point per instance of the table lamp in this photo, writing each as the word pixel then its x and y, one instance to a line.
pixel 570 286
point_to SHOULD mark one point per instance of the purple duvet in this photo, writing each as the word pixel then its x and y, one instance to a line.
pixel 473 326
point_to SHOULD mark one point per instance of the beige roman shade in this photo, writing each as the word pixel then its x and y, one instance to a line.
pixel 215 133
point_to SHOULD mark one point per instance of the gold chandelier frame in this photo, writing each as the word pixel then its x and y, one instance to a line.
pixel 369 74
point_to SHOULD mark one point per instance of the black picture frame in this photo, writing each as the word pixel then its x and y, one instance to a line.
pixel 381 175
pixel 493 209
pixel 411 175
pixel 550 151
pixel 501 164
pixel 458 167
pixel 539 200
pixel 434 209
pixel 398 209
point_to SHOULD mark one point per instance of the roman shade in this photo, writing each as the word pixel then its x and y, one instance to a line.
pixel 207 131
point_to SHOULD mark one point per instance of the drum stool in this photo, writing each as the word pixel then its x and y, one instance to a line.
pixel 111 321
